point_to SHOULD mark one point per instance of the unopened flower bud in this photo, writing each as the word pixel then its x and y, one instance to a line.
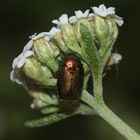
pixel 104 23
pixel 68 33
pixel 100 29
pixel 46 53
pixel 41 74
pixel 42 99
pixel 56 37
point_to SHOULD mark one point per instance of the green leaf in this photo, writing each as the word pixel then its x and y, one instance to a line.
pixel 90 50
pixel 108 42
pixel 47 120
pixel 83 109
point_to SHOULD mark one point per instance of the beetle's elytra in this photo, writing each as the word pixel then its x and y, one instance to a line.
pixel 70 79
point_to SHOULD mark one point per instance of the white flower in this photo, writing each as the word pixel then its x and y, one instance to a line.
pixel 73 19
pixel 14 77
pixel 116 57
pixel 28 46
pixel 104 12
pixel 19 61
pixel 53 31
pixel 119 20
pixel 62 20
pixel 78 15
pixel 40 35
pixel 34 37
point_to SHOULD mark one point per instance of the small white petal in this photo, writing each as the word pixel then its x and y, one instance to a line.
pixel 104 12
pixel 56 22
pixel 16 60
pixel 53 31
pixel 63 19
pixel 97 11
pixel 32 36
pixel 28 46
pixel 86 13
pixel 40 35
pixel 102 8
pixel 79 14
pixel 22 58
pixel 119 20
pixel 14 63
pixel 111 11
pixel 101 11
pixel 73 19
pixel 28 53
pixel 117 57
pixel 21 62
pixel 14 78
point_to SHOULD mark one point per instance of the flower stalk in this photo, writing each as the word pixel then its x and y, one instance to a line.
pixel 104 112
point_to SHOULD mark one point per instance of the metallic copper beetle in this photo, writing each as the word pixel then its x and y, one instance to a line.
pixel 70 79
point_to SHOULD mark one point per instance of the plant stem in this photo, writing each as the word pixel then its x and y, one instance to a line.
pixel 104 112
pixel 97 88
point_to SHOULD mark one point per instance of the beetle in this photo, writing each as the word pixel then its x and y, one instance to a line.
pixel 70 80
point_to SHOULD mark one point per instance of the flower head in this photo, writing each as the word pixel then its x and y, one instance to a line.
pixel 28 46
pixel 78 15
pixel 33 38
pixel 63 19
pixel 53 31
pixel 19 61
pixel 105 12
pixel 37 36
pixel 90 41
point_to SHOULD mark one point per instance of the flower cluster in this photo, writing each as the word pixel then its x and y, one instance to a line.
pixel 87 35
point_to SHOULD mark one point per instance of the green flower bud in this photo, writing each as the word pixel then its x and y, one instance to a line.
pixel 56 38
pixel 113 31
pixel 104 23
pixel 68 34
pixel 46 53
pixel 70 39
pixel 44 99
pixel 41 74
pixel 100 29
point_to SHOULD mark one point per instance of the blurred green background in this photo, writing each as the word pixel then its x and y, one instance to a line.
pixel 22 18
